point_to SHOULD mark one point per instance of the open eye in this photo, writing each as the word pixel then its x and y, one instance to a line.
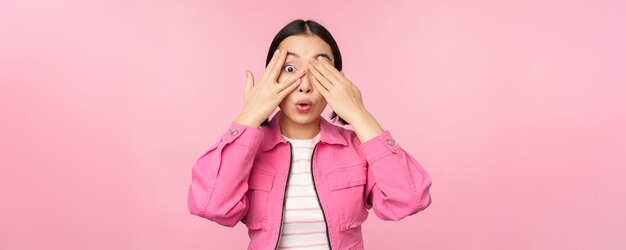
pixel 290 68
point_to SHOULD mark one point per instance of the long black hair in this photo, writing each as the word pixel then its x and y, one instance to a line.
pixel 301 27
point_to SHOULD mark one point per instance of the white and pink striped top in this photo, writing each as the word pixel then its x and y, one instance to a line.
pixel 303 222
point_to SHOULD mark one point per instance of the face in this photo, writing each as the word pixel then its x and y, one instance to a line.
pixel 300 49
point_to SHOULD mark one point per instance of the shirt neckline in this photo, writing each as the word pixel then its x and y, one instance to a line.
pixel 304 140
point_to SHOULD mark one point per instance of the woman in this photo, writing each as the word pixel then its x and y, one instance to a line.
pixel 298 181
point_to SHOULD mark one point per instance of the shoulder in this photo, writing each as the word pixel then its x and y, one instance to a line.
pixel 352 140
pixel 351 137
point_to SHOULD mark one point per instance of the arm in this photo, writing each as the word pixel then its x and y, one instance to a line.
pixel 397 186
pixel 220 176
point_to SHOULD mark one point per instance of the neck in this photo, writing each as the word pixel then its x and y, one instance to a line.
pixel 299 131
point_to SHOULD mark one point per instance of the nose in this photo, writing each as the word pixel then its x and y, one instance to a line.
pixel 305 85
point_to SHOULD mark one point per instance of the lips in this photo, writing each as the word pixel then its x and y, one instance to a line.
pixel 303 105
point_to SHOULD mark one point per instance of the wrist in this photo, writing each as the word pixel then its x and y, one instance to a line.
pixel 363 116
pixel 248 121
pixel 366 127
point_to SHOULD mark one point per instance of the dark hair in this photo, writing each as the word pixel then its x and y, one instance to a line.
pixel 302 27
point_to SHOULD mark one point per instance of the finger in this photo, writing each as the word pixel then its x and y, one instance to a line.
pixel 289 88
pixel 320 88
pixel 278 65
pixel 270 64
pixel 331 68
pixel 249 80
pixel 320 78
pixel 328 70
pixel 291 79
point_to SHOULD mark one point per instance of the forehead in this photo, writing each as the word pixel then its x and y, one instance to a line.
pixel 306 46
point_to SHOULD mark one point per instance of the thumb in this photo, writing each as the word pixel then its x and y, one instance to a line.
pixel 249 80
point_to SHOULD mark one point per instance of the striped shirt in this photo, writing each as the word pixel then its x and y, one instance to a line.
pixel 303 222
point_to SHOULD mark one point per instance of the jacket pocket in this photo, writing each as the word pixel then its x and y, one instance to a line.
pixel 348 176
pixel 347 184
pixel 260 184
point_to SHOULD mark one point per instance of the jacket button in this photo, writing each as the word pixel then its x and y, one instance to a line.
pixel 233 132
pixel 390 142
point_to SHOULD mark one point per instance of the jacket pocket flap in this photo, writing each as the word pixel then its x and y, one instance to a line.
pixel 348 176
pixel 261 180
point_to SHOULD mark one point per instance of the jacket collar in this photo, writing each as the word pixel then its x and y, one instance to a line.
pixel 329 133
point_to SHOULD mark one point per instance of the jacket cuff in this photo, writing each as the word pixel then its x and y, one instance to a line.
pixel 379 146
pixel 243 135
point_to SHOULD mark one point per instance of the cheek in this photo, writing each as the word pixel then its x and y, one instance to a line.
pixel 321 102
pixel 320 98
pixel 283 102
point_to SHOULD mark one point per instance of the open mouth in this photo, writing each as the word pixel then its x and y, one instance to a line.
pixel 303 106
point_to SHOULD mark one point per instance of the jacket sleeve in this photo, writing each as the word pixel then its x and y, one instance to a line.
pixel 219 178
pixel 397 186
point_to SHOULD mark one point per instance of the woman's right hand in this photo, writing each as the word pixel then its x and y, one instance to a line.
pixel 262 98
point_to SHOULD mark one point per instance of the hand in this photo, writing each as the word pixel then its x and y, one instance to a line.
pixel 345 98
pixel 340 93
pixel 262 98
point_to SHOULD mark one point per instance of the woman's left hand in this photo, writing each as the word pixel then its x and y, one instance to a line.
pixel 340 93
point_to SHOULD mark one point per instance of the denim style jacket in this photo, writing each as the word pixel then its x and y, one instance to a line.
pixel 243 177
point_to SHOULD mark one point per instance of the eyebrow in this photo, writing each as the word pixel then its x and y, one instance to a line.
pixel 320 54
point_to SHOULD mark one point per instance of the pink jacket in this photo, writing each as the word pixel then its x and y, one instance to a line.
pixel 243 178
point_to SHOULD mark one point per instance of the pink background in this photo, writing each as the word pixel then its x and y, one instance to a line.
pixel 515 108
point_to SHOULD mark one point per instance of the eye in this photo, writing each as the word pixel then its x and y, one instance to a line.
pixel 290 68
